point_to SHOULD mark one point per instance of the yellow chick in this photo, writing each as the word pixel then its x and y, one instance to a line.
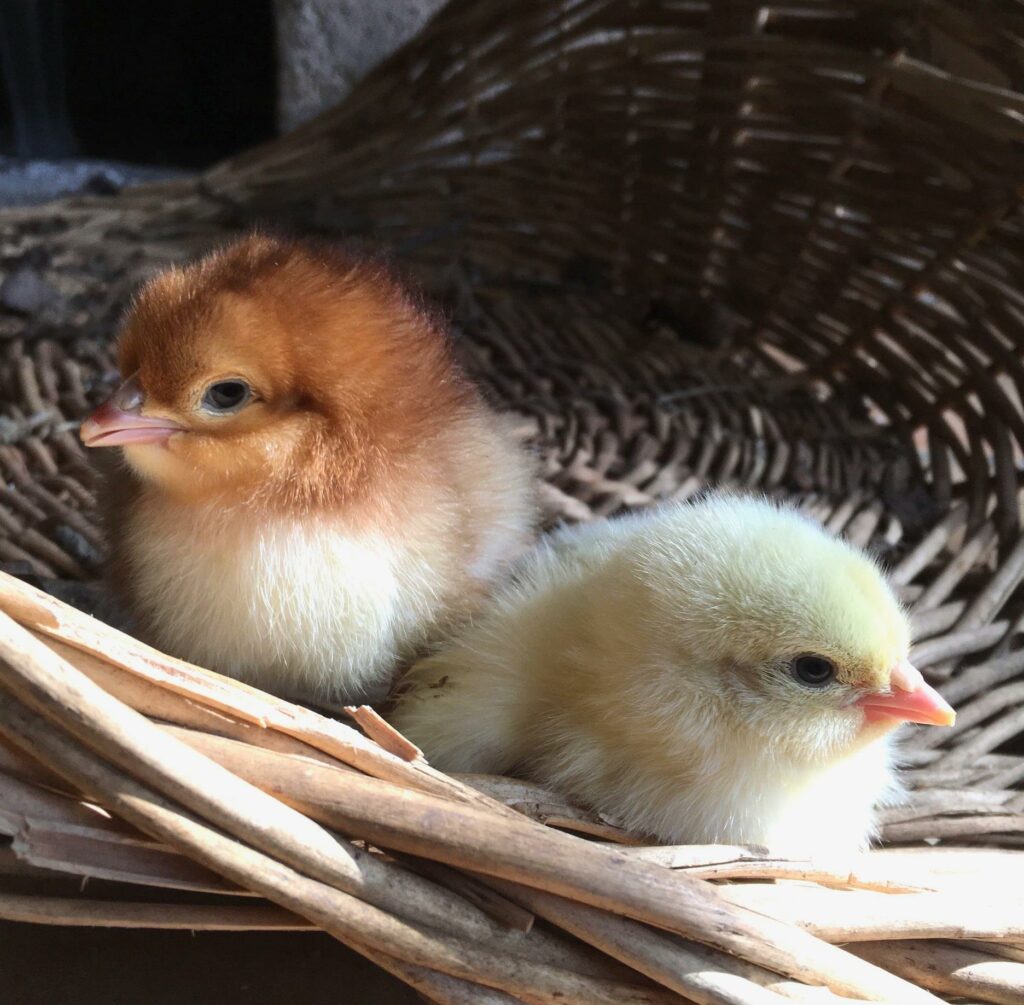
pixel 722 671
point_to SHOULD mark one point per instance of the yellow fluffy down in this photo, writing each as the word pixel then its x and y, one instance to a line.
pixel 642 665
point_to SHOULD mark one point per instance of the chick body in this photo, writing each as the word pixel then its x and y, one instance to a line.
pixel 318 606
pixel 643 666
pixel 361 501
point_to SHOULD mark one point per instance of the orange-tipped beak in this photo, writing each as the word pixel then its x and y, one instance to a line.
pixel 120 421
pixel 911 699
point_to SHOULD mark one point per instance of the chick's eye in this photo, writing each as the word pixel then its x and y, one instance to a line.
pixel 226 396
pixel 812 671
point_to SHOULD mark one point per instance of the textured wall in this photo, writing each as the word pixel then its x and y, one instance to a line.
pixel 326 46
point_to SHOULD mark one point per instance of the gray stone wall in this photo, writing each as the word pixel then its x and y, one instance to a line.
pixel 326 46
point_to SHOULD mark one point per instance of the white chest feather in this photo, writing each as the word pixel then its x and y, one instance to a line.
pixel 305 610
pixel 742 796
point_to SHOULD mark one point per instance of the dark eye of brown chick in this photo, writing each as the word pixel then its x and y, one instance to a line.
pixel 226 396
pixel 812 671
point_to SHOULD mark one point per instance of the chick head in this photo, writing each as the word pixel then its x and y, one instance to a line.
pixel 798 633
pixel 274 362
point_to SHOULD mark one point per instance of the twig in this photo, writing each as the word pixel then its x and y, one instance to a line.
pixel 383 733
pixel 515 848
pixel 729 862
pixel 102 856
pixel 954 827
pixel 500 908
pixel 861 916
pixel 950 969
pixel 56 620
pixel 346 918
pixel 549 807
pixel 131 914
pixel 464 836
pixel 700 974
pixel 129 739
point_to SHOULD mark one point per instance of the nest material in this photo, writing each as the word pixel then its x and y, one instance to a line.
pixel 229 792
pixel 773 247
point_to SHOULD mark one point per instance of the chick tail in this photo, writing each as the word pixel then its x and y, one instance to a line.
pixel 460 711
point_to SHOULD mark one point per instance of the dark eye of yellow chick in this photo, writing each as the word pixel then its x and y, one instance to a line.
pixel 309 487
pixel 813 671
pixel 716 672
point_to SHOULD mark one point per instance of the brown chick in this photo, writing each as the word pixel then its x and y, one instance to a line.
pixel 311 488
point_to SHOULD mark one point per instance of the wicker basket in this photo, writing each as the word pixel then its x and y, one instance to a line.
pixel 688 243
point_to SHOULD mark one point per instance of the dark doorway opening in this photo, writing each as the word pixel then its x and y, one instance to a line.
pixel 183 82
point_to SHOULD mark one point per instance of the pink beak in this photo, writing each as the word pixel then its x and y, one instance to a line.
pixel 120 421
pixel 911 699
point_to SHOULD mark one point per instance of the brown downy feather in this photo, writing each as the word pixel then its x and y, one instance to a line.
pixel 365 468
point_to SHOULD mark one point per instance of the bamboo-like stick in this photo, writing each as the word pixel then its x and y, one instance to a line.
pixel 742 862
pixel 397 819
pixel 981 678
pixel 930 546
pixel 20 801
pixel 440 989
pixel 51 617
pixel 43 613
pixel 936 620
pixel 974 548
pixel 486 898
pixel 806 995
pixel 569 819
pixel 72 850
pixel 1001 950
pixel 11 865
pixel 131 914
pixel 937 801
pixel 273 771
pixel 1010 775
pixel 383 733
pixel 950 859
pixel 158 702
pixel 17 764
pixel 78 911
pixel 567 865
pixel 346 918
pixel 997 590
pixel 53 839
pixel 549 807
pixel 60 833
pixel 218 795
pixel 668 959
pixel 542 945
pixel 862 916
pixel 987 737
pixel 139 865
pixel 950 969
pixel 951 869
pixel 954 827
pixel 540 948
pixel 701 975
pixel 971 640
pixel 309 793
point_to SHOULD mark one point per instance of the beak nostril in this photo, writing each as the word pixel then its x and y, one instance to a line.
pixel 129 397
pixel 119 420
pixel 906 677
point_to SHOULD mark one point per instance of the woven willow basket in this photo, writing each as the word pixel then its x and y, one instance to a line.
pixel 689 243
